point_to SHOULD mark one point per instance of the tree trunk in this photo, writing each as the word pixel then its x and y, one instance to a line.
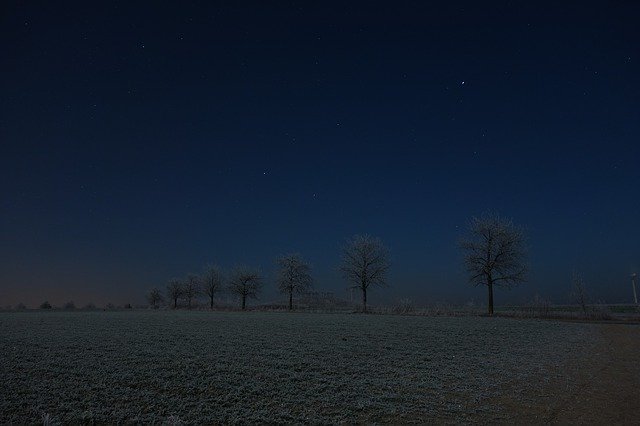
pixel 290 300
pixel 189 303
pixel 490 287
pixel 364 300
pixel 244 302
pixel 212 302
pixel 175 303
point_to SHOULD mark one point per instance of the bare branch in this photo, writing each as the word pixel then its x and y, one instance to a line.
pixel 365 262
pixel 191 288
pixel 494 253
pixel 212 282
pixel 294 275
pixel 154 297
pixel 245 283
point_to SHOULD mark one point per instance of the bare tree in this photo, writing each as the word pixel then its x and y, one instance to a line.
pixel 154 297
pixel 174 291
pixel 579 292
pixel 245 283
pixel 294 275
pixel 365 262
pixel 494 253
pixel 191 288
pixel 212 282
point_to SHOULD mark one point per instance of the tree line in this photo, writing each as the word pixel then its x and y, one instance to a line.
pixel 494 253
pixel 293 277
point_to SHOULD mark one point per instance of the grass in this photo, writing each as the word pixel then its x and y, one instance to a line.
pixel 258 367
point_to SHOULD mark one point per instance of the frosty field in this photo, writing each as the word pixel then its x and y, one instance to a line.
pixel 212 367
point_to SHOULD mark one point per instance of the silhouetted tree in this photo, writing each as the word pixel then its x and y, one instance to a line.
pixel 245 283
pixel 174 291
pixel 191 288
pixel 579 292
pixel 365 262
pixel 294 275
pixel 154 297
pixel 494 253
pixel 45 305
pixel 212 282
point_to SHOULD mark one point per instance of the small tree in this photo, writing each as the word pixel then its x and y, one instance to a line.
pixel 294 275
pixel 154 297
pixel 494 253
pixel 212 282
pixel 245 283
pixel 191 288
pixel 45 305
pixel 579 292
pixel 365 262
pixel 174 291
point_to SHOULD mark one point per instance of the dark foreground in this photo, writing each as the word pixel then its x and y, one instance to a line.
pixel 202 367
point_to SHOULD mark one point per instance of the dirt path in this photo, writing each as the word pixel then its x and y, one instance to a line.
pixel 600 386
pixel 608 381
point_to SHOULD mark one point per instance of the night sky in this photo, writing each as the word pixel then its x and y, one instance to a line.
pixel 140 142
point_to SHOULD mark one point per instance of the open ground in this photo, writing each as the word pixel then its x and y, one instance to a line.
pixel 258 367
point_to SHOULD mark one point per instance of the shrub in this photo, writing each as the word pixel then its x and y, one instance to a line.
pixel 404 306
pixel 601 311
pixel 45 305
pixel 540 306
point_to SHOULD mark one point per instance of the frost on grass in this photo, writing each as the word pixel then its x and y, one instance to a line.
pixel 203 367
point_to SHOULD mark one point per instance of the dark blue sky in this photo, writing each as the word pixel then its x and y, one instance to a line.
pixel 141 141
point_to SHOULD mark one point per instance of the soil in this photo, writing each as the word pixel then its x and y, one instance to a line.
pixel 599 386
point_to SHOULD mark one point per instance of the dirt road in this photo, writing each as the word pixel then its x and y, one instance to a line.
pixel 608 381
pixel 600 386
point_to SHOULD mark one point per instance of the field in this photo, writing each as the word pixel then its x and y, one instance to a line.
pixel 257 367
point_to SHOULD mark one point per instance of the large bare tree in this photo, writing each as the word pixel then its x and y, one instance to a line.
pixel 175 291
pixel 245 283
pixel 154 297
pixel 579 292
pixel 294 275
pixel 191 288
pixel 494 253
pixel 212 282
pixel 365 262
